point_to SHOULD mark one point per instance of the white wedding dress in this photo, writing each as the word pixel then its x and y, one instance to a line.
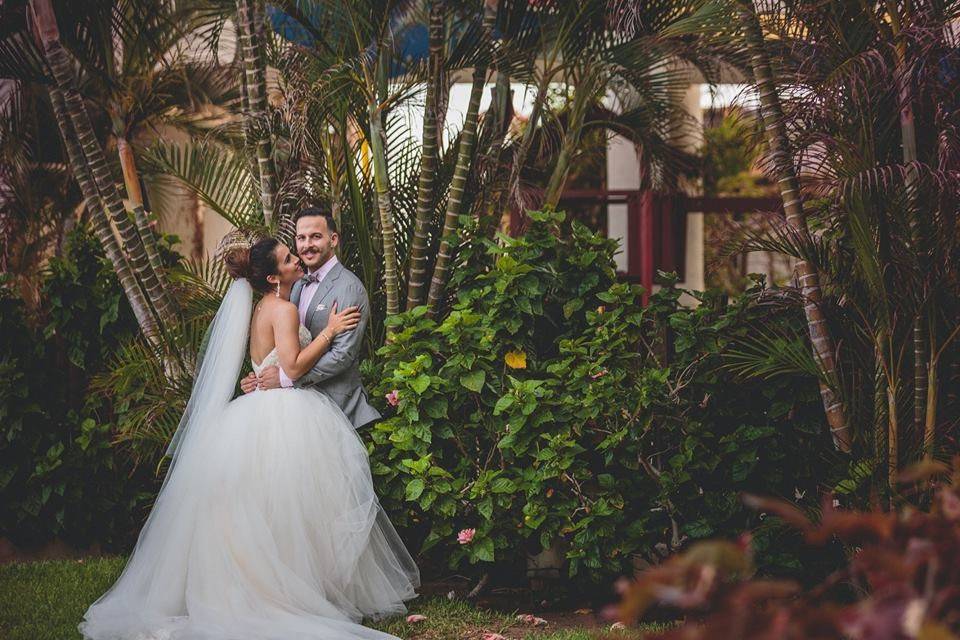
pixel 267 528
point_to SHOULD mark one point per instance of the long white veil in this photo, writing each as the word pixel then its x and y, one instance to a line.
pixel 218 365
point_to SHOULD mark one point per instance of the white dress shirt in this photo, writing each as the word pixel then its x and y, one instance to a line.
pixel 306 295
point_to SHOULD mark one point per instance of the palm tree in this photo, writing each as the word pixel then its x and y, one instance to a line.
pixel 250 17
pixel 870 114
pixel 96 163
pixel 465 153
pixel 771 115
pixel 131 66
pixel 643 68
pixel 429 155
pixel 101 225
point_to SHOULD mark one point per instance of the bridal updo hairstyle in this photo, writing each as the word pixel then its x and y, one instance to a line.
pixel 254 262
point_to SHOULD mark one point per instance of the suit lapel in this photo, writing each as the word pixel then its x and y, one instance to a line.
pixel 295 292
pixel 322 291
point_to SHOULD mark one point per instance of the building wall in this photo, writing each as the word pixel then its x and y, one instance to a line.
pixel 623 172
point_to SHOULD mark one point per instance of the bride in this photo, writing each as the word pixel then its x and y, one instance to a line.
pixel 267 526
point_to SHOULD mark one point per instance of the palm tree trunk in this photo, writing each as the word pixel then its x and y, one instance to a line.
pixel 367 248
pixel 526 140
pixel 385 207
pixel 257 123
pixel 930 417
pixel 930 412
pixel 198 226
pixel 881 409
pixel 893 437
pixel 97 162
pixel 497 120
pixel 131 179
pixel 502 108
pixel 771 115
pixel 583 92
pixel 465 152
pixel 908 139
pixel 468 139
pixel 249 145
pixel 417 282
pixel 101 225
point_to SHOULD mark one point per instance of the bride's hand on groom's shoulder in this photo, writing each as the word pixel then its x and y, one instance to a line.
pixel 345 320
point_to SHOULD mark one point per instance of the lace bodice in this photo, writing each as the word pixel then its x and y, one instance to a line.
pixel 273 358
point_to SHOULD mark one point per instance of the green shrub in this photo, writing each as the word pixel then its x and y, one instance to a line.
pixel 59 475
pixel 725 433
pixel 549 406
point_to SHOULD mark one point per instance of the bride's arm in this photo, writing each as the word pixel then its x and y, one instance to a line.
pixel 286 334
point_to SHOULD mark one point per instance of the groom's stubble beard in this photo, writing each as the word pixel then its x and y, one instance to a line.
pixel 316 260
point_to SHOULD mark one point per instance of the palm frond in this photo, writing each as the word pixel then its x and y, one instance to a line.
pixel 201 285
pixel 218 176
pixel 21 59
pixel 768 353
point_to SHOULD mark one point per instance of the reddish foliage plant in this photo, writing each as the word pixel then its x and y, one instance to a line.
pixel 902 579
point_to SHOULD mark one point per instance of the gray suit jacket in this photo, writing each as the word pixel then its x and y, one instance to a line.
pixel 337 373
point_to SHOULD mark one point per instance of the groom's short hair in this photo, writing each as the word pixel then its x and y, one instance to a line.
pixel 317 211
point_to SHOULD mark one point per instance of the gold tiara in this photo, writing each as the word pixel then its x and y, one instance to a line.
pixel 236 239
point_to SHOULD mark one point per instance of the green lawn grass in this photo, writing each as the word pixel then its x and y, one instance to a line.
pixel 45 601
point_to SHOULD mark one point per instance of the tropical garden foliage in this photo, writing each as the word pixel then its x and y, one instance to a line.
pixel 550 408
pixel 865 136
pixel 61 477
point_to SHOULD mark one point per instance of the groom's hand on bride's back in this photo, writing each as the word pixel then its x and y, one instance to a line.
pixel 269 379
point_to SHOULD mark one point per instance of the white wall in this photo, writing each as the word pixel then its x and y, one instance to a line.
pixel 623 172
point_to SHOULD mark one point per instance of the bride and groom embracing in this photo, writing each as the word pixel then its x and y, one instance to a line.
pixel 267 526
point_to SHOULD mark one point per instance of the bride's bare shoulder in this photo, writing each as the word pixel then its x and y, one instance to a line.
pixel 280 312
pixel 278 306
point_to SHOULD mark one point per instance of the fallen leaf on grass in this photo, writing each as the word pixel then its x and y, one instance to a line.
pixel 583 612
pixel 416 617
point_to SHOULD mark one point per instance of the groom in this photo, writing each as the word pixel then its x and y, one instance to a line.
pixel 326 284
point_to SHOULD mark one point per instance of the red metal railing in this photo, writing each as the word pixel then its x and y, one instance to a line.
pixel 653 216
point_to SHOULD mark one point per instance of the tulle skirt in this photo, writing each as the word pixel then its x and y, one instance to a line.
pixel 267 527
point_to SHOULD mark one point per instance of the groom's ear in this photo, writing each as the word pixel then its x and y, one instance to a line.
pixel 334 239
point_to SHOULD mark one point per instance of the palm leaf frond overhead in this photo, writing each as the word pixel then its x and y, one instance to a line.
pixel 218 176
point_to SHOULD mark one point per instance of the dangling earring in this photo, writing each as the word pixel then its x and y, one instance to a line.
pixel 278 289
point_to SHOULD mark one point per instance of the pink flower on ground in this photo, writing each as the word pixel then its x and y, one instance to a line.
pixel 949 504
pixel 415 617
pixel 466 536
pixel 529 618
pixel 618 626
pixel 491 635
pixel 393 398
pixel 621 585
pixel 599 374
